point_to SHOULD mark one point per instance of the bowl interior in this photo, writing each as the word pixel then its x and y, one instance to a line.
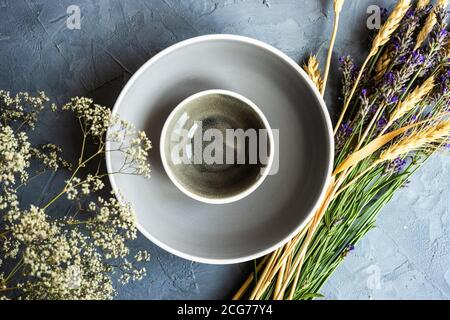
pixel 211 146
pixel 267 218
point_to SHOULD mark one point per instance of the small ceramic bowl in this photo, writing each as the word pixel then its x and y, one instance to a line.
pixel 217 177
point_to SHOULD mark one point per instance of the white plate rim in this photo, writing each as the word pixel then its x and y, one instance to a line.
pixel 324 110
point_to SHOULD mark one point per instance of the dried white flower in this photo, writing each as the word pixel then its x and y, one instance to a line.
pixel 69 257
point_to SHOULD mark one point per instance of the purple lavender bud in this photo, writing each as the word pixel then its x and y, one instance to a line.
pixel 390 78
pixel 346 129
pixel 443 33
pixel 393 99
pixel 364 93
pixel 381 123
pixel 402 59
pixel 397 165
pixel 373 110
pixel 418 57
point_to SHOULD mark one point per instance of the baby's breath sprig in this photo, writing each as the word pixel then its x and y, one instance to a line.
pixel 75 256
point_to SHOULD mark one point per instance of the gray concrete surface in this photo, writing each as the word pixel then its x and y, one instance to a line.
pixel 407 256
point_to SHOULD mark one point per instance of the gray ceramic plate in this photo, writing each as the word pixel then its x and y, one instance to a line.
pixel 278 209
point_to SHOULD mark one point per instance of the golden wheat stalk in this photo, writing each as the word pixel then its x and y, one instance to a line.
pixel 313 71
pixel 421 4
pixel 418 140
pixel 392 23
pixel 382 64
pixel 426 29
pixel 412 100
pixel 382 37
pixel 338 4
pixel 300 256
pixel 271 267
pixel 447 50
pixel 428 25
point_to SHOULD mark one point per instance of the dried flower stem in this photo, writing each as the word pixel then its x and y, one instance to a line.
pixel 273 268
pixel 298 262
pixel 380 39
pixel 259 288
pixel 337 11
pixel 280 279
pixel 429 24
pixel 411 101
pixel 249 280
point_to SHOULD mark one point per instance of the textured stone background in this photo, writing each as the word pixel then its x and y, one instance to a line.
pixel 407 256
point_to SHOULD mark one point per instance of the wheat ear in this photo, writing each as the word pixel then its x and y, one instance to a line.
pixel 313 71
pixel 338 4
pixel 426 29
pixel 447 49
pixel 380 39
pixel 411 101
pixel 417 141
pixel 421 4
pixel 382 64
pixel 428 25
pixel 390 26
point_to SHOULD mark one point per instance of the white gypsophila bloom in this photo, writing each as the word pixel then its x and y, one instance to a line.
pixel 135 147
pixel 8 199
pixel 14 155
pixel 65 258
pixel 112 226
pixel 22 109
pixel 142 255
pixel 71 188
pixel 50 252
pixel 32 225
pixel 96 119
pixel 50 156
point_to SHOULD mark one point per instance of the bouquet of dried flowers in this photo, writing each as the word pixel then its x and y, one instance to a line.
pixel 395 115
pixel 46 254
